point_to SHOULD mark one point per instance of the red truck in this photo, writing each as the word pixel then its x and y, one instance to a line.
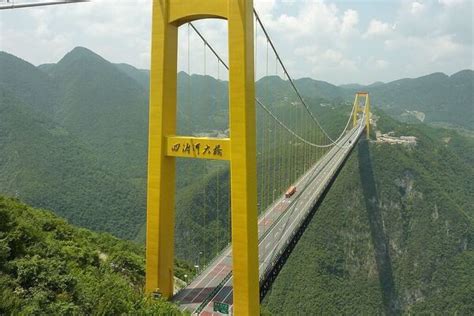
pixel 291 190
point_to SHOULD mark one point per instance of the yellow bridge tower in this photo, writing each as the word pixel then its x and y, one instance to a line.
pixel 366 109
pixel 240 149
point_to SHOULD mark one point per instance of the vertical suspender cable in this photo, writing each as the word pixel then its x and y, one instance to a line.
pixel 274 159
pixel 267 127
pixel 188 96
pixel 206 93
pixel 218 224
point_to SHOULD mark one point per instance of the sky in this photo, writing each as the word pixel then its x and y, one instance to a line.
pixel 350 41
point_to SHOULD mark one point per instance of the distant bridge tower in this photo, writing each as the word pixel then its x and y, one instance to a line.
pixel 239 149
pixel 366 109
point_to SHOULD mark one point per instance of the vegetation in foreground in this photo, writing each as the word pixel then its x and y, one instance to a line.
pixel 50 267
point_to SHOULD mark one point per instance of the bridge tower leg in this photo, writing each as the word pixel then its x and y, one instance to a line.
pixel 243 159
pixel 240 148
pixel 161 168
pixel 356 110
pixel 365 110
pixel 367 115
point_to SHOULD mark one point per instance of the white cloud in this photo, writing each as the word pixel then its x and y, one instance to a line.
pixel 312 18
pixel 265 7
pixel 381 64
pixel 428 52
pixel 451 3
pixel 417 7
pixel 443 47
pixel 350 20
pixel 377 28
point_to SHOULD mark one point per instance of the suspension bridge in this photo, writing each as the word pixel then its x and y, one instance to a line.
pixel 282 159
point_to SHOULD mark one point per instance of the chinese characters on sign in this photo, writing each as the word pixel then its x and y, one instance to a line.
pixel 197 149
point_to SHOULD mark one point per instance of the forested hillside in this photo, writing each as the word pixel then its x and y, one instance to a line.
pixel 103 107
pixel 93 115
pixel 48 267
pixel 393 235
pixel 435 98
pixel 75 136
pixel 45 165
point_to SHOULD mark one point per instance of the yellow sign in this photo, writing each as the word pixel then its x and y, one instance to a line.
pixel 198 147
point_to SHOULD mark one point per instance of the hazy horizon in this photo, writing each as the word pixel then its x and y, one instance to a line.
pixel 200 74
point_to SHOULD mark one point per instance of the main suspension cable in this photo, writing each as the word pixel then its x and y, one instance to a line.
pixel 289 77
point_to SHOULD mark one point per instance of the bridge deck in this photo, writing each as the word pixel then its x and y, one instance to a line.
pixel 277 227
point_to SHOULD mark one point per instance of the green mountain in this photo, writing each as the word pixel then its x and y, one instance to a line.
pixel 439 98
pixel 202 104
pixel 104 107
pixel 46 166
pixel 92 115
pixel 48 267
pixel 32 87
pixel 435 98
pixel 50 165
pixel 141 76
pixel 393 235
